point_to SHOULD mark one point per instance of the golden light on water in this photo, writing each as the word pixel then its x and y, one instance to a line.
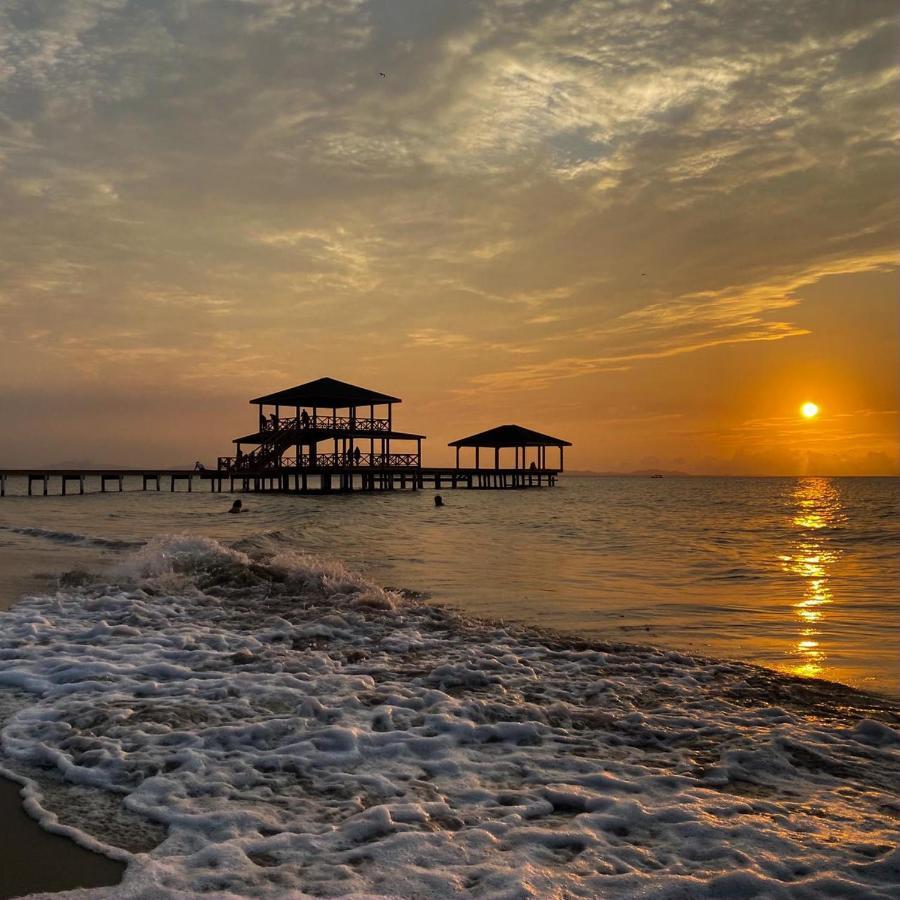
pixel 810 410
pixel 818 506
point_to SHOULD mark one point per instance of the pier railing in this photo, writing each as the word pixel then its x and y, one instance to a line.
pixel 326 423
pixel 251 462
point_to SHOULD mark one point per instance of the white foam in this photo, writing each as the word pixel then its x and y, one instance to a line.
pixel 302 731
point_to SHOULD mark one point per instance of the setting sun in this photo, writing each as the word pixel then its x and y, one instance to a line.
pixel 810 410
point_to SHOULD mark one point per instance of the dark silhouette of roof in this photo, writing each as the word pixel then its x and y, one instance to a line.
pixel 328 393
pixel 510 436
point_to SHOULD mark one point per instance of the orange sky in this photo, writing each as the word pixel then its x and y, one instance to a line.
pixel 653 228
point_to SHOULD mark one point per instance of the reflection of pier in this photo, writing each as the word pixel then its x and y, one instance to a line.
pixel 327 436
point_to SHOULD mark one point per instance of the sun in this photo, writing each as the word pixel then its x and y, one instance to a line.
pixel 809 410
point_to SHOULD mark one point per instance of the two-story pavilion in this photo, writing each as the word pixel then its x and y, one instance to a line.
pixel 322 425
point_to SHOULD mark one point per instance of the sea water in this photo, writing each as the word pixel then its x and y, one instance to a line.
pixel 802 575
pixel 274 705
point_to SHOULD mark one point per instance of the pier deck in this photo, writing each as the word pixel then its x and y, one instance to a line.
pixel 284 480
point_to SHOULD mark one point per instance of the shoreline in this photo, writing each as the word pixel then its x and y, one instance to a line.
pixel 622 666
pixel 34 860
pixel 37 860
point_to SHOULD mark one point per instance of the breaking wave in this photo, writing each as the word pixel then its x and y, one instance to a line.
pixel 280 726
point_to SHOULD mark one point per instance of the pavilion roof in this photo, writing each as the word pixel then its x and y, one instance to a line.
pixel 510 436
pixel 328 393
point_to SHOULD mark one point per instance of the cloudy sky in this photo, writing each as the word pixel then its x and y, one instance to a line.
pixel 654 227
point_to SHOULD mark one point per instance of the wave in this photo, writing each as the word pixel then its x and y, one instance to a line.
pixel 72 538
pixel 295 727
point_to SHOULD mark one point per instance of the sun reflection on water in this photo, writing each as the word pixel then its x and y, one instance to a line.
pixel 817 506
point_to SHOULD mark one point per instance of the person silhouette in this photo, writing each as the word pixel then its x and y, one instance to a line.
pixel 237 506
pixel 438 500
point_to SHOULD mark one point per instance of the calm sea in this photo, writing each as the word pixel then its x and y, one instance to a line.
pixel 799 574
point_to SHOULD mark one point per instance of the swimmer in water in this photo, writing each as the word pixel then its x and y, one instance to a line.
pixel 438 500
pixel 236 507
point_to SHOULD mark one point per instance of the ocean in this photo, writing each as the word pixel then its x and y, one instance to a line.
pixel 546 693
pixel 799 574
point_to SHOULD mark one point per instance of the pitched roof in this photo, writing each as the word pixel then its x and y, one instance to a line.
pixel 328 393
pixel 509 436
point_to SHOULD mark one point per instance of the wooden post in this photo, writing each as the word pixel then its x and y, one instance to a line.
pixel 457 457
pixel 2 485
pixel 477 466
pixel 46 485
pixel 560 457
pixel 496 457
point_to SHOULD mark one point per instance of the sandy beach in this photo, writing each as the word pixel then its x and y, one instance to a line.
pixel 32 859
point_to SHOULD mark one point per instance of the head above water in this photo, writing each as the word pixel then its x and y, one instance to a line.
pixel 438 500
pixel 237 506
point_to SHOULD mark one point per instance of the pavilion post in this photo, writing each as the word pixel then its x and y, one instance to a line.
pixel 457 456
pixel 560 457
pixel 477 465
pixel 496 457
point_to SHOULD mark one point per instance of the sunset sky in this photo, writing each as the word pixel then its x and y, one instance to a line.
pixel 653 228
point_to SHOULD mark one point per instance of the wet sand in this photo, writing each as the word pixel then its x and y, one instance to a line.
pixel 33 860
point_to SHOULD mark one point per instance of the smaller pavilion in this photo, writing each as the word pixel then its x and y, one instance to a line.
pixel 517 438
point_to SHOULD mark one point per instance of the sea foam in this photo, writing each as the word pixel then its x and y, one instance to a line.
pixel 291 729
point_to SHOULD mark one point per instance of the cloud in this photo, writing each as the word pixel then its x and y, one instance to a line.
pixel 586 184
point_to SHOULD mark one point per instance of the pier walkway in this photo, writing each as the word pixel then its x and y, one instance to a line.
pixel 293 480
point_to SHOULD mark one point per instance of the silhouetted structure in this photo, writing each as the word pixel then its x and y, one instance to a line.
pixel 354 424
pixel 328 435
pixel 513 437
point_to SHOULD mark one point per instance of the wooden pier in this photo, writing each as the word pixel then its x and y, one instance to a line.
pixel 324 437
pixel 292 480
